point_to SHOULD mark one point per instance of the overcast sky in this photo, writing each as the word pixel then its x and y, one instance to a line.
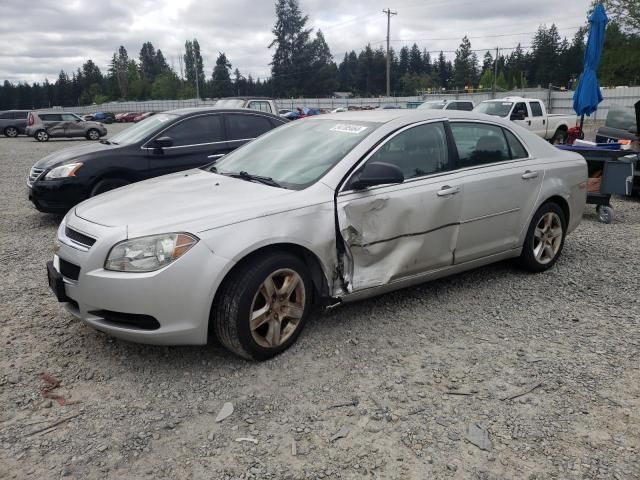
pixel 38 38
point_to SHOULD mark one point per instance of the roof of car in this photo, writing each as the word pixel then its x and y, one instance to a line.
pixel 186 111
pixel 410 115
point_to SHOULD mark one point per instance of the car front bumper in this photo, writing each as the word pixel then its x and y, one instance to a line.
pixel 57 196
pixel 172 303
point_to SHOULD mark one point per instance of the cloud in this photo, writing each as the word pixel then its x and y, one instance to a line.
pixel 40 38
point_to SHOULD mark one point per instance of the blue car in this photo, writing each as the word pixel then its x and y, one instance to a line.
pixel 104 117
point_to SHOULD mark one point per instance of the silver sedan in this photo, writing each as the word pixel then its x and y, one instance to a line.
pixel 321 211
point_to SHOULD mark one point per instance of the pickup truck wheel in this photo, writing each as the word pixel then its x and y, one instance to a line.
pixel 261 307
pixel 545 238
pixel 11 132
pixel 559 138
pixel 108 184
pixel 41 136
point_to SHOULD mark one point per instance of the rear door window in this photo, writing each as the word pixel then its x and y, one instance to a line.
pixel 517 149
pixel 196 131
pixel 536 109
pixel 479 144
pixel 260 105
pixel 50 117
pixel 246 127
pixel 20 115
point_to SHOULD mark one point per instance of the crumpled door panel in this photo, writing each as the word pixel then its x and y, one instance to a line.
pixel 402 231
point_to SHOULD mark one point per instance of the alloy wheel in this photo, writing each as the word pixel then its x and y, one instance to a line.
pixel 42 136
pixel 547 238
pixel 277 308
pixel 11 132
pixel 94 135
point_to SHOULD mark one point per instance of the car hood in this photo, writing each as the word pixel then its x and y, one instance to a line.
pixel 71 154
pixel 191 201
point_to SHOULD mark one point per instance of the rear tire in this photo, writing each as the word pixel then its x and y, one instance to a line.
pixel 262 306
pixel 545 239
pixel 560 137
pixel 93 134
pixel 108 184
pixel 41 136
pixel 11 132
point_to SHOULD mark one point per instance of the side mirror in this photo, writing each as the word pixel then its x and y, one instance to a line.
pixel 376 173
pixel 163 142
pixel 518 116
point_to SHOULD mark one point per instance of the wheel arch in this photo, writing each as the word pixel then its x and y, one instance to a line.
pixel 562 203
pixel 119 174
pixel 311 260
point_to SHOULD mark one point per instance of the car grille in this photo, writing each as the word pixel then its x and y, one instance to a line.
pixel 69 270
pixel 34 174
pixel 78 237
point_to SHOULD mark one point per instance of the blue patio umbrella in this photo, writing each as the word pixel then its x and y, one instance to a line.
pixel 587 96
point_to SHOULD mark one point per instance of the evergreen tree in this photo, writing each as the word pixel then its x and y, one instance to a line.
pixel 427 68
pixel 290 60
pixel 403 63
pixel 221 78
pixel 465 68
pixel 415 60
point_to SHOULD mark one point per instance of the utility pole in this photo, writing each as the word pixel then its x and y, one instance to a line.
pixel 388 13
pixel 495 72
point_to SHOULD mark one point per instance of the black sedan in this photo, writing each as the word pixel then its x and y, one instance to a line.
pixel 165 143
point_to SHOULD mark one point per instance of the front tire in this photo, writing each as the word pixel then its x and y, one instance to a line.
pixel 93 134
pixel 11 132
pixel 261 308
pixel 545 238
pixel 108 184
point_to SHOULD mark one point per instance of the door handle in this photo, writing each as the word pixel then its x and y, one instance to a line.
pixel 528 175
pixel 529 122
pixel 213 157
pixel 447 190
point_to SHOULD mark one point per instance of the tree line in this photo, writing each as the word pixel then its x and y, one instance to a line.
pixel 302 65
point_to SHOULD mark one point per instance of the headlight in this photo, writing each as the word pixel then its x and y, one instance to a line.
pixel 63 171
pixel 146 254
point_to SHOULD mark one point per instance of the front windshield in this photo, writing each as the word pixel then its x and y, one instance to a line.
pixel 229 103
pixel 621 118
pixel 432 106
pixel 298 154
pixel 497 109
pixel 142 130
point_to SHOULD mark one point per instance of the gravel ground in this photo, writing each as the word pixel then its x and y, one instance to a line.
pixel 493 374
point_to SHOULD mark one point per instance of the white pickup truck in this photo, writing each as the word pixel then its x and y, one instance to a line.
pixel 263 104
pixel 531 114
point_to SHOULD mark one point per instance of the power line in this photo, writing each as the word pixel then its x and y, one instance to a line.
pixel 476 37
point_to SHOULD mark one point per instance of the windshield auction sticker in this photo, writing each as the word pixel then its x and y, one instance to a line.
pixel 344 128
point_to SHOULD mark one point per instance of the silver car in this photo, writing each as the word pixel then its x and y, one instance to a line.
pixel 326 210
pixel 45 125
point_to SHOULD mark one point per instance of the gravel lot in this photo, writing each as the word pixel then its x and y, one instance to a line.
pixel 541 371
